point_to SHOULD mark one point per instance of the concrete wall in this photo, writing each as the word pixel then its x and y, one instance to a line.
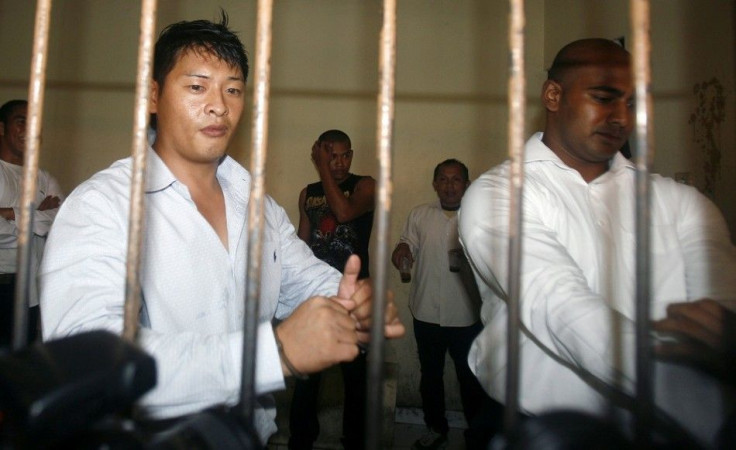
pixel 450 90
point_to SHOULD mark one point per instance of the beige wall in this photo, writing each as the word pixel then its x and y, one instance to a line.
pixel 450 89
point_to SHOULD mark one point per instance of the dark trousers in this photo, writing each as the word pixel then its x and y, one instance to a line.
pixel 303 422
pixel 7 306
pixel 433 341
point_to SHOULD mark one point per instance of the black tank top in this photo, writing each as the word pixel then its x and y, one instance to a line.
pixel 334 242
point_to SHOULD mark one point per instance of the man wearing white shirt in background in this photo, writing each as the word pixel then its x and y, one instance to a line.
pixel 13 116
pixel 578 254
pixel 195 248
pixel 445 307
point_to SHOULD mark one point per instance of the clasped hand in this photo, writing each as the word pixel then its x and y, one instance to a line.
pixel 325 331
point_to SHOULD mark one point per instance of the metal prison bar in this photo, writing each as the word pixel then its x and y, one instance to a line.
pixel 384 135
pixel 640 21
pixel 259 141
pixel 30 169
pixel 384 139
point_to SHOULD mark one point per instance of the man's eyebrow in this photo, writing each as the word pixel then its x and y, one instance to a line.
pixel 607 89
pixel 207 77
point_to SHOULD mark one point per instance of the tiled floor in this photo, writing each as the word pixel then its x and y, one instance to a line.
pixel 404 436
pixel 408 427
pixel 407 423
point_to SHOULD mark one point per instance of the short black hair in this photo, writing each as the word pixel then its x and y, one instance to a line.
pixel 574 55
pixel 201 36
pixel 335 136
pixel 452 162
pixel 7 109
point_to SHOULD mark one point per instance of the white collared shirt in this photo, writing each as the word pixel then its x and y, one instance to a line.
pixel 578 275
pixel 193 288
pixel 11 176
pixel 437 295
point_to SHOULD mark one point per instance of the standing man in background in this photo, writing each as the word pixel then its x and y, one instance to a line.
pixel 445 304
pixel 48 197
pixel 335 220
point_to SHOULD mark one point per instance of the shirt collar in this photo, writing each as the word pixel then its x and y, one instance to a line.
pixel 536 150
pixel 9 164
pixel 159 177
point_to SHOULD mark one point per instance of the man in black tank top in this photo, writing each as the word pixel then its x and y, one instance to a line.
pixel 335 220
pixel 333 241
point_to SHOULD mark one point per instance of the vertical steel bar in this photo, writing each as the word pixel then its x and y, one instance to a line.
pixel 137 186
pixel 517 115
pixel 259 140
pixel 640 20
pixel 384 140
pixel 30 169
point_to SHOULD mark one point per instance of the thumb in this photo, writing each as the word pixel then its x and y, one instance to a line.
pixel 344 302
pixel 349 278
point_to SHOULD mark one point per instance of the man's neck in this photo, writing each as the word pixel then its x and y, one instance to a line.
pixel 193 174
pixel 589 171
pixel 204 189
pixel 339 182
pixel 10 157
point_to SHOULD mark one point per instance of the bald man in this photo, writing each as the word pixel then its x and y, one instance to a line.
pixel 578 263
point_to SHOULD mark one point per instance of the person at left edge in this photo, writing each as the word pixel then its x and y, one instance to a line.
pixel 13 115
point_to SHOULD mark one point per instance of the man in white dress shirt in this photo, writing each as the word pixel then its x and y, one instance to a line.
pixel 445 307
pixel 48 197
pixel 195 248
pixel 578 253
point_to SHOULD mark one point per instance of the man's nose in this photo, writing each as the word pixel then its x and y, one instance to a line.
pixel 216 103
pixel 621 114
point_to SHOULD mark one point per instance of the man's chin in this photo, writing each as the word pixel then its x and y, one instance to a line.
pixel 609 145
pixel 340 176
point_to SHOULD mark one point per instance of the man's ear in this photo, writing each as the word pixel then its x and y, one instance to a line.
pixel 153 101
pixel 551 95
